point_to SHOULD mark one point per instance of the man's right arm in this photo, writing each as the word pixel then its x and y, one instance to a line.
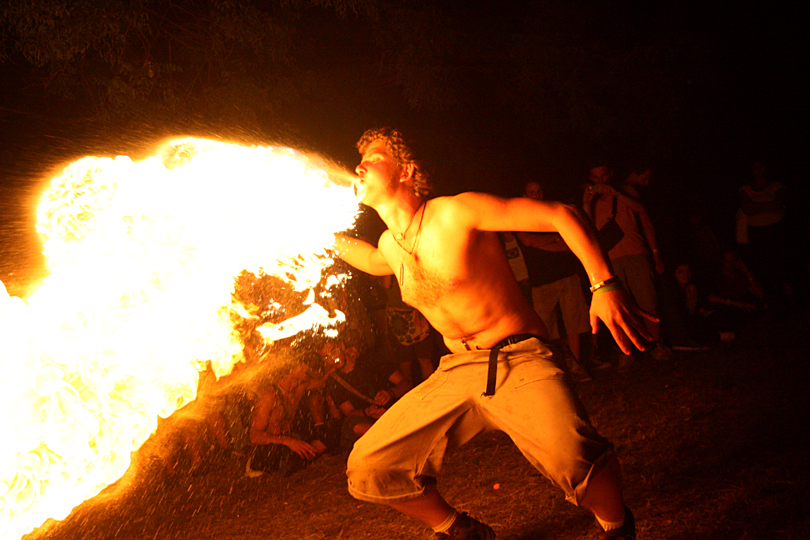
pixel 361 255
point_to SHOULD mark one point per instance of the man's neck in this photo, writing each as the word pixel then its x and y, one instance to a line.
pixel 400 211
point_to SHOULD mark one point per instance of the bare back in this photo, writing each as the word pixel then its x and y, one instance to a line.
pixel 460 280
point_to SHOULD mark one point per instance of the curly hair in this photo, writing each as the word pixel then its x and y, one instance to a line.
pixel 401 152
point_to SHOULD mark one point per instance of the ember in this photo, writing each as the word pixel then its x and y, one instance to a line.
pixel 142 259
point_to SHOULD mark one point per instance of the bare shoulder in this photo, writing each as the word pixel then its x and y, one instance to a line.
pixel 451 211
pixel 486 212
pixel 467 206
pixel 474 198
pixel 266 400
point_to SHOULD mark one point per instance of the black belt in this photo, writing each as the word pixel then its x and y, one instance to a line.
pixel 493 358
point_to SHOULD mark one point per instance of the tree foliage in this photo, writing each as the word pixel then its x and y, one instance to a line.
pixel 555 67
pixel 178 55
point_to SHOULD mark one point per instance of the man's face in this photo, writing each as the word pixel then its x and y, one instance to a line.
pixel 640 179
pixel 683 274
pixel 533 191
pixel 378 173
pixel 344 358
pixel 600 175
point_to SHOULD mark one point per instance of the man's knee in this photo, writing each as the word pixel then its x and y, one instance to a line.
pixel 363 470
pixel 379 477
pixel 355 467
pixel 364 480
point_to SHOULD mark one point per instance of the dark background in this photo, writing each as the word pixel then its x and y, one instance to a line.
pixel 496 93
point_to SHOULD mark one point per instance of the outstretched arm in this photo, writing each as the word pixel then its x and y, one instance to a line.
pixel 614 307
pixel 361 255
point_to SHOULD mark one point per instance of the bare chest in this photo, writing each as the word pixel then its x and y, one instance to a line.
pixel 431 273
pixel 424 284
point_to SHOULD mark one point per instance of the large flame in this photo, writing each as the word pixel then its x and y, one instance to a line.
pixel 142 258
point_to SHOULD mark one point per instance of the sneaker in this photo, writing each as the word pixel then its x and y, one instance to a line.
pixel 466 528
pixel 626 532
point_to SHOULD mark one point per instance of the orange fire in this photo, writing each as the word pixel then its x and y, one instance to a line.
pixel 142 258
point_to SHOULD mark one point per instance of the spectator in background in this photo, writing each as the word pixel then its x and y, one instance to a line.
pixel 704 247
pixel 557 292
pixel 282 434
pixel 629 257
pixel 192 434
pixel 409 334
pixel 677 331
pixel 762 230
pixel 700 322
pixel 517 262
pixel 361 388
pixel 715 313
pixel 735 286
pixel 632 187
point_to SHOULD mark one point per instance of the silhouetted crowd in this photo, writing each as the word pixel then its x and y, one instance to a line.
pixel 701 289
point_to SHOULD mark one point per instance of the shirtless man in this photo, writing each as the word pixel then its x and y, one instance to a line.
pixel 450 266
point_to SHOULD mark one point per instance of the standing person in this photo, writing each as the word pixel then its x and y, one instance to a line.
pixel 629 257
pixel 557 294
pixel 409 334
pixel 764 234
pixel 450 266
pixel 636 181
pixel 517 261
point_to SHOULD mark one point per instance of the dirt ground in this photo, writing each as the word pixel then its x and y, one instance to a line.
pixel 710 444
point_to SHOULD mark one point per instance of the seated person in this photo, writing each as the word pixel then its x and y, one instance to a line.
pixel 283 436
pixel 701 323
pixel 735 287
pixel 361 388
pixel 185 440
pixel 731 299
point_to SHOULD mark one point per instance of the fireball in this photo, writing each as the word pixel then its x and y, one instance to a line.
pixel 142 259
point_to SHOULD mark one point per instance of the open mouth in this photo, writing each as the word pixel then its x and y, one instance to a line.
pixel 359 184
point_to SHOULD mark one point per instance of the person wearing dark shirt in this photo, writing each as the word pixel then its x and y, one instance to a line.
pixel 361 387
pixel 557 293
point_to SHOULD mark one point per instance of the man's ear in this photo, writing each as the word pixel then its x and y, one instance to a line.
pixel 407 171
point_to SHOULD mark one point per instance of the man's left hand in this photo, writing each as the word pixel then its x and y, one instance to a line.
pixel 623 318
